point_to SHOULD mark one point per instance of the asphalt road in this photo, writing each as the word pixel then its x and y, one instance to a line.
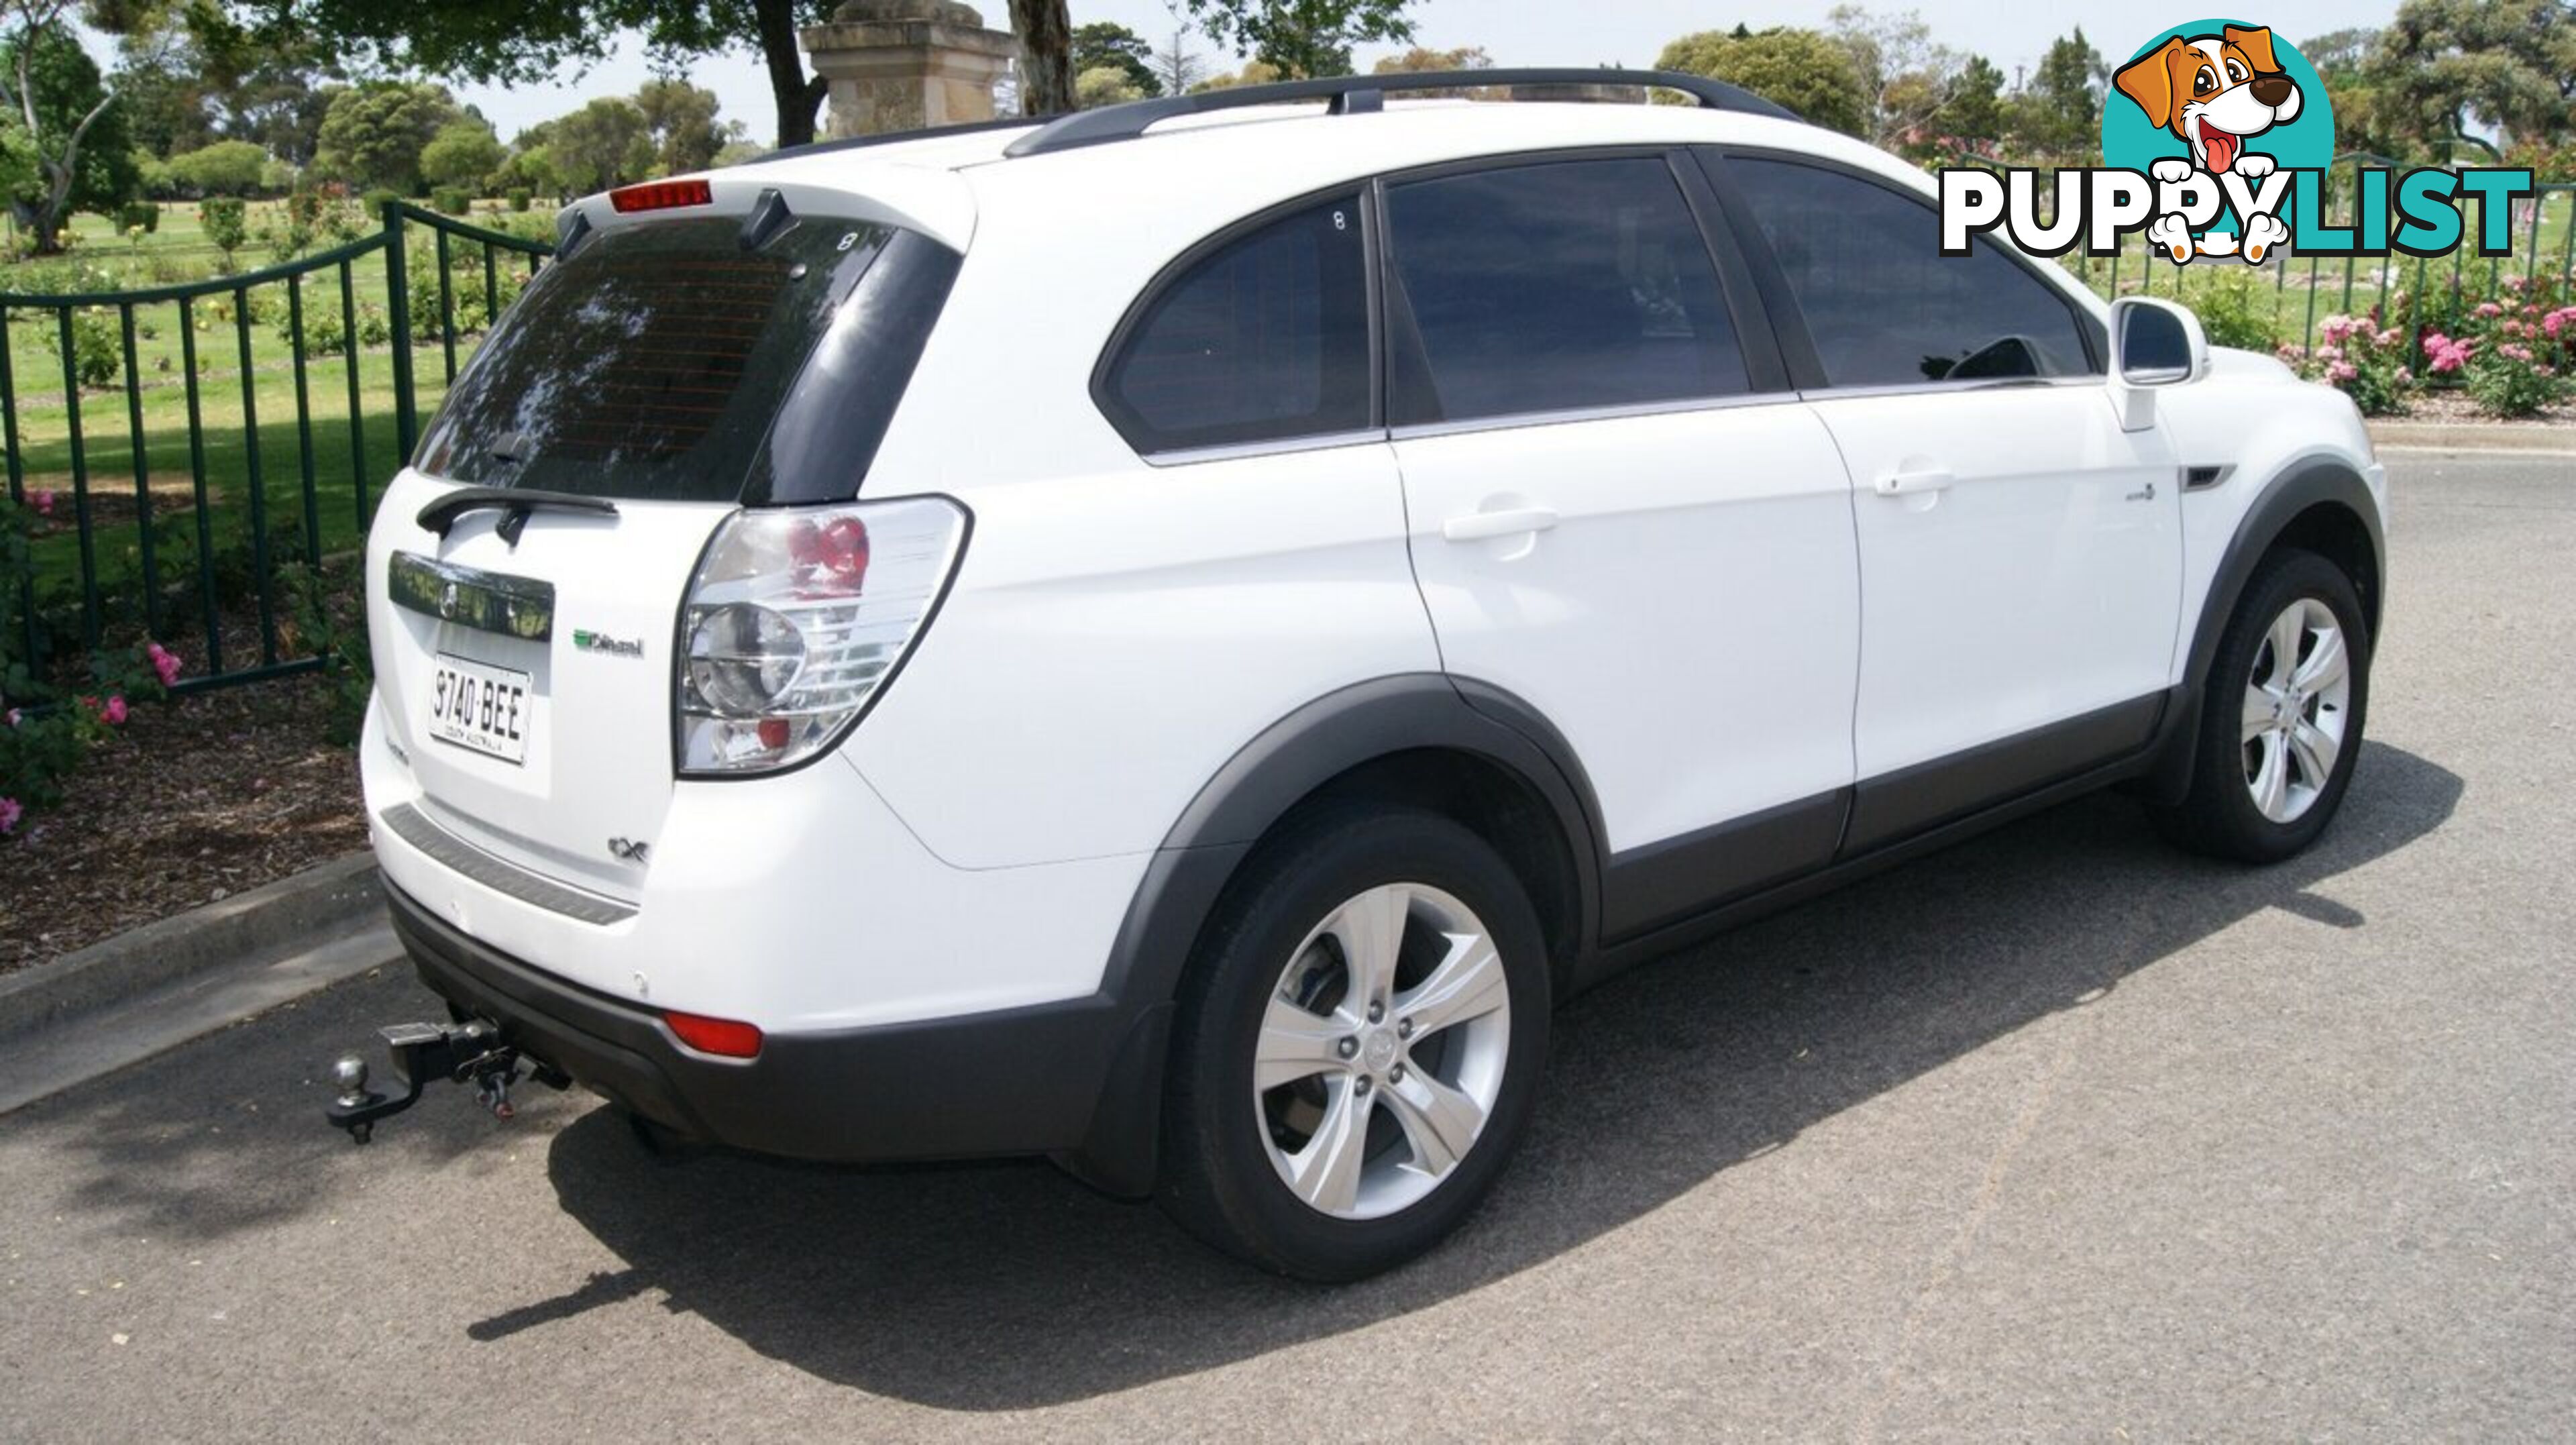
pixel 2058 1134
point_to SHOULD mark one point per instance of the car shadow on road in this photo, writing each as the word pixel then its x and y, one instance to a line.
pixel 1011 1286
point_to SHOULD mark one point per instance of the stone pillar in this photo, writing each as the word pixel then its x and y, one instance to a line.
pixel 905 64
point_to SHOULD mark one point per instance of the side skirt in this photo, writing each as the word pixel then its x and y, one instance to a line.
pixel 2028 774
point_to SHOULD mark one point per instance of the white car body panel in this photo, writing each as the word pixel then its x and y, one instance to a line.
pixel 2058 537
pixel 1691 619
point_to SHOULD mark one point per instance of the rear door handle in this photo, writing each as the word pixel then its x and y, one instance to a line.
pixel 1480 526
pixel 1899 484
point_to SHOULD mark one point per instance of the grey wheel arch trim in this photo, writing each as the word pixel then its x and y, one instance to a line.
pixel 1283 765
pixel 2303 484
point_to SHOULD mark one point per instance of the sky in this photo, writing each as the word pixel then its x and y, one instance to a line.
pixel 1514 32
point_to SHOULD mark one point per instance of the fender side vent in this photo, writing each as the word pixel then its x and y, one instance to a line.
pixel 2196 479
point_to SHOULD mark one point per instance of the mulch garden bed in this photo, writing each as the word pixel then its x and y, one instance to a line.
pixel 196 799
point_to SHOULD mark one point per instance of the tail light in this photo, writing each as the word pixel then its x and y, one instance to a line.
pixel 795 619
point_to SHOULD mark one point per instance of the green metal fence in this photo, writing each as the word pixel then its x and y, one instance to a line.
pixel 176 514
pixel 2307 289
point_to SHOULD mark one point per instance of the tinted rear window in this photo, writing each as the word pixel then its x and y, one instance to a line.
pixel 651 363
pixel 1264 339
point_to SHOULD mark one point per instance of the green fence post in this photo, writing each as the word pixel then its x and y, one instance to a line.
pixel 446 303
pixel 304 422
pixel 142 476
pixel 197 474
pixel 258 482
pixel 357 417
pixel 17 492
pixel 80 484
pixel 398 300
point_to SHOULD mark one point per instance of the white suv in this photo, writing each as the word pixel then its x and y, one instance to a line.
pixel 1171 638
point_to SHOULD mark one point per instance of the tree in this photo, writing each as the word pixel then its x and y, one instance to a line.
pixel 1906 81
pixel 226 168
pixel 1806 71
pixel 1105 45
pixel 1302 38
pixel 64 119
pixel 463 153
pixel 1254 72
pixel 605 143
pixel 1977 103
pixel 2444 66
pixel 1104 85
pixel 1177 68
pixel 373 134
pixel 2058 116
pixel 1046 56
pixel 1421 61
pixel 681 119
pixel 479 41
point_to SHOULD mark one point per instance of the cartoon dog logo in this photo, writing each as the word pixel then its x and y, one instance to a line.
pixel 2214 93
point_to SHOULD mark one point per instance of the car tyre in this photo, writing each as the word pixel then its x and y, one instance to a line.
pixel 2281 716
pixel 1357 1046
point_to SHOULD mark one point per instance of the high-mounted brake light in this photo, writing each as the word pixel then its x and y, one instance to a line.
pixel 661 196
pixel 725 1038
pixel 796 617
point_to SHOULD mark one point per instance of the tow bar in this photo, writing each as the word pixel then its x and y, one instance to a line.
pixel 470 1052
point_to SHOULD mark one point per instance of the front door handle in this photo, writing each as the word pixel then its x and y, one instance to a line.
pixel 1900 484
pixel 1482 526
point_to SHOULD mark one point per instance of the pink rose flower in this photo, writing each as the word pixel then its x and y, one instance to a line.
pixel 2341 372
pixel 2489 310
pixel 10 813
pixel 44 503
pixel 165 662
pixel 114 712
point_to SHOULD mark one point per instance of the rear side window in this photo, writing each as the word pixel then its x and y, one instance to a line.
pixel 1883 305
pixel 1549 287
pixel 1265 338
pixel 650 363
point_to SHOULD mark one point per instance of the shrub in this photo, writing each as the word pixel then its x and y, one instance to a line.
pixel 374 201
pixel 2508 380
pixel 2365 360
pixel 454 200
pixel 521 197
pixel 2238 308
pixel 226 168
pixel 97 348
pixel 226 225
pixel 146 214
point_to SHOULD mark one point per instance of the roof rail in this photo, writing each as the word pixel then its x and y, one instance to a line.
pixel 1350 94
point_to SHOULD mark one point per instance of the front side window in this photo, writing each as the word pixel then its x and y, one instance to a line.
pixel 1557 286
pixel 1264 339
pixel 1883 305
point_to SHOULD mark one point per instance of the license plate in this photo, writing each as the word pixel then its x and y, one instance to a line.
pixel 481 708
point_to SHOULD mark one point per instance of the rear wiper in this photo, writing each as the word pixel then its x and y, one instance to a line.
pixel 440 515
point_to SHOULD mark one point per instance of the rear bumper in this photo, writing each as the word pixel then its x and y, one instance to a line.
pixel 1061 1078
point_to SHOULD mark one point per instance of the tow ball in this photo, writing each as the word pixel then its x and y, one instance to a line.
pixel 466 1053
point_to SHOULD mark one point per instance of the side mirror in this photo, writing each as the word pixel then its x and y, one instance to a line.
pixel 2153 344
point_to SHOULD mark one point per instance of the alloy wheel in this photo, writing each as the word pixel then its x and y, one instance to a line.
pixel 2296 702
pixel 1382 1051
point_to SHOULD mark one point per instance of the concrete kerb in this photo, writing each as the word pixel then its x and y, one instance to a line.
pixel 286 916
pixel 2474 437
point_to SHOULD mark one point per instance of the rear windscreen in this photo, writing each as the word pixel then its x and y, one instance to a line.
pixel 649 363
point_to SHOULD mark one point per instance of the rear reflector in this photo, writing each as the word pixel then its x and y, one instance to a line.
pixel 661 196
pixel 721 1037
